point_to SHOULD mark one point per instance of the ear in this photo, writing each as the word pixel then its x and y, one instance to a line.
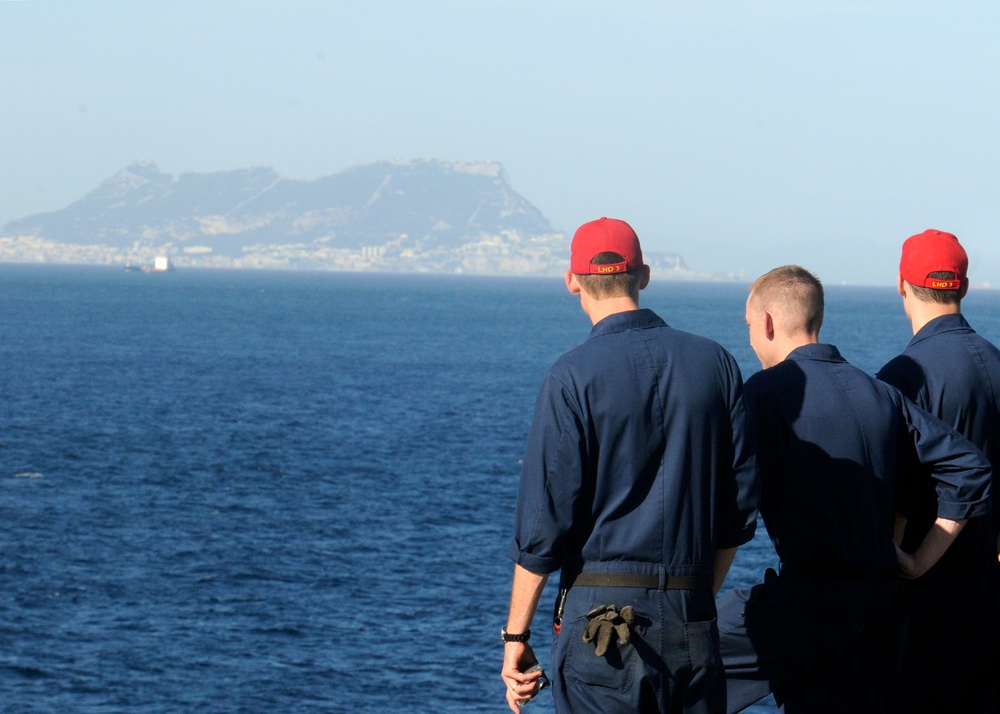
pixel 900 285
pixel 572 284
pixel 644 277
pixel 768 325
pixel 964 290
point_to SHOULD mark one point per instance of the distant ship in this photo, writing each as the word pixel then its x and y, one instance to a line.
pixel 161 264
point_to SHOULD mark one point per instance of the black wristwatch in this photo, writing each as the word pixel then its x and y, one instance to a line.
pixel 507 637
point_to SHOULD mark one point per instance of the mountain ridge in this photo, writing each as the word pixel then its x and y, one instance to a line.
pixel 417 215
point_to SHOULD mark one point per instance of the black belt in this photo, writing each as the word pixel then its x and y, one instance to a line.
pixel 637 580
pixel 851 573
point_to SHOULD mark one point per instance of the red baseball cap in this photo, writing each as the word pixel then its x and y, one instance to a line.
pixel 605 235
pixel 933 252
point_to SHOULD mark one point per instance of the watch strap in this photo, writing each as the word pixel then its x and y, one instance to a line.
pixel 508 637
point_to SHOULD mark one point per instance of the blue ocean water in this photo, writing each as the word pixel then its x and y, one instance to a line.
pixel 292 492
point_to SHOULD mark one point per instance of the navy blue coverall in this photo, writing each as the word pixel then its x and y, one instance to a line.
pixel 822 634
pixel 638 461
pixel 953 373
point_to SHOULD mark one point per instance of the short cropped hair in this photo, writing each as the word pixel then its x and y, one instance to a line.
pixel 601 287
pixel 944 297
pixel 795 294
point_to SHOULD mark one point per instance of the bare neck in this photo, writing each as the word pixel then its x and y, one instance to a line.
pixel 785 345
pixel 597 310
pixel 920 312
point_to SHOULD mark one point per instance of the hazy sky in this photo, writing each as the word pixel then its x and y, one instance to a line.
pixel 742 134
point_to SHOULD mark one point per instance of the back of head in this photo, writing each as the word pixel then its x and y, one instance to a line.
pixel 607 259
pixel 936 267
pixel 794 294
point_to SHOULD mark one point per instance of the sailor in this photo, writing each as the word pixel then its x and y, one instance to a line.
pixel 953 373
pixel 638 484
pixel 834 448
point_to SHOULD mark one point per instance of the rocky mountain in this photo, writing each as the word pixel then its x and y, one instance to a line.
pixel 427 216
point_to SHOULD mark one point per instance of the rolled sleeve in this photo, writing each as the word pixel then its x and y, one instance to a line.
pixel 961 472
pixel 536 564
pixel 963 510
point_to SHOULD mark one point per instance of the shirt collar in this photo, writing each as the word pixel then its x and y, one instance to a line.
pixel 628 320
pixel 944 323
pixel 820 352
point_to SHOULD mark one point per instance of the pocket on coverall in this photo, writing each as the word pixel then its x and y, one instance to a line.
pixel 703 646
pixel 614 669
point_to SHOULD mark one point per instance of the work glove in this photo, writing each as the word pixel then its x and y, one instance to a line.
pixel 605 620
